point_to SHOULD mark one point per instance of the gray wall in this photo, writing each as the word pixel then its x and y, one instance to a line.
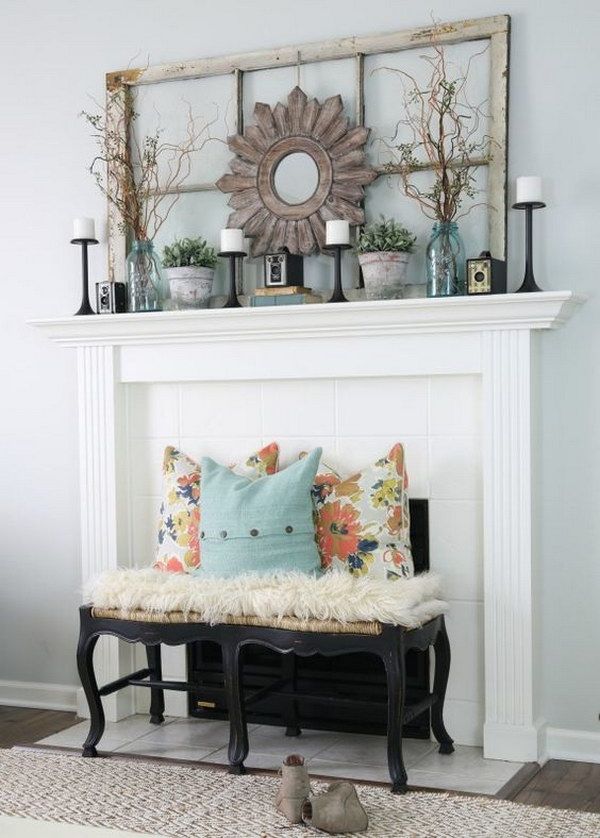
pixel 53 56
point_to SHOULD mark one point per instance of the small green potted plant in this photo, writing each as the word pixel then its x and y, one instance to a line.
pixel 189 266
pixel 384 249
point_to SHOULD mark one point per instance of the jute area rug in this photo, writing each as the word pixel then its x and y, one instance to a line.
pixel 201 802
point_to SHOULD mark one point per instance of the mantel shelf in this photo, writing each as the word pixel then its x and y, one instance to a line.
pixel 544 310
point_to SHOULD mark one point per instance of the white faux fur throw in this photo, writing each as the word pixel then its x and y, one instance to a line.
pixel 333 596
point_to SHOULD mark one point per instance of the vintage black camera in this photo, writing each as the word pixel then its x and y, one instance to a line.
pixel 283 269
pixel 111 297
pixel 486 275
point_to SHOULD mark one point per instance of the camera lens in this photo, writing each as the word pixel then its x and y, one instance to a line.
pixel 479 276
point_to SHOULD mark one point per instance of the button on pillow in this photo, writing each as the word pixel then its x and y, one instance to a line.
pixel 258 527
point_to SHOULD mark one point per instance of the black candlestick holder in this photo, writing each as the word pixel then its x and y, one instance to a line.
pixel 233 256
pixel 338 291
pixel 85 307
pixel 529 283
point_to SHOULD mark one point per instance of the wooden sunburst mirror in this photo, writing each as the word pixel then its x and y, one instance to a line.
pixel 302 127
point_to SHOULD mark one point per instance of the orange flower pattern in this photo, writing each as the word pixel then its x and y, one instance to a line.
pixel 338 531
pixel 265 461
pixel 178 547
pixel 363 521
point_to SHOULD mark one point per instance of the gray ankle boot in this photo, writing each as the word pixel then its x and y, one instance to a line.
pixel 294 789
pixel 336 810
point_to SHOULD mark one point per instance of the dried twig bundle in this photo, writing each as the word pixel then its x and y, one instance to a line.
pixel 141 178
pixel 444 128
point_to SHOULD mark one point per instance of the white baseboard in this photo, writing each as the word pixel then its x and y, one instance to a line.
pixel 576 745
pixel 38 696
pixel 464 721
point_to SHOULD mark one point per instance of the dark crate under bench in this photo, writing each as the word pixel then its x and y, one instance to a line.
pixel 355 684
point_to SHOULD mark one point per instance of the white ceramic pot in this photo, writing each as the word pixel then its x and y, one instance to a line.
pixel 190 287
pixel 384 274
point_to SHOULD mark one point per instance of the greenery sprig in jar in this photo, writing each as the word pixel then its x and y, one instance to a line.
pixel 141 178
pixel 189 266
pixel 445 135
pixel 384 250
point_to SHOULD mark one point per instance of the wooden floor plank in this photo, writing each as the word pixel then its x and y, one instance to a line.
pixel 533 797
pixel 593 804
pixel 24 726
pixel 564 785
pixel 519 781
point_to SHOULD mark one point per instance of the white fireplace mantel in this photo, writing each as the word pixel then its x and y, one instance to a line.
pixel 545 310
pixel 491 337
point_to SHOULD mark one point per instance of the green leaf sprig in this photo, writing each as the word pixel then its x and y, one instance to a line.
pixel 188 253
pixel 386 236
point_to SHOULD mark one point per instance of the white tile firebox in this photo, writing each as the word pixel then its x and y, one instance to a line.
pixel 450 378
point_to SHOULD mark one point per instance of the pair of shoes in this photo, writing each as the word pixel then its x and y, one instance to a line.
pixel 336 810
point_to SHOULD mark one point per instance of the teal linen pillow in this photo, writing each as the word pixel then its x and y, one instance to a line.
pixel 258 526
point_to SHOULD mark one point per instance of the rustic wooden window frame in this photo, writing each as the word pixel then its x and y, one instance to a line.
pixel 496 29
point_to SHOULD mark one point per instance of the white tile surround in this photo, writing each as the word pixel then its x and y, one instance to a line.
pixel 354 757
pixel 456 378
pixel 339 415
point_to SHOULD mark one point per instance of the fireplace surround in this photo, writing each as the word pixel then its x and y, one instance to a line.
pixel 419 348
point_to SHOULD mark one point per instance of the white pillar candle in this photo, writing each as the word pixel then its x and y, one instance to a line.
pixel 232 240
pixel 84 228
pixel 529 190
pixel 337 232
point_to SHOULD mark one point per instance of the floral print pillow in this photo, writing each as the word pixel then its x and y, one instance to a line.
pixel 363 521
pixel 178 549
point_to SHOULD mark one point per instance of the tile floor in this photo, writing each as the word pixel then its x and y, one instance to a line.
pixel 353 756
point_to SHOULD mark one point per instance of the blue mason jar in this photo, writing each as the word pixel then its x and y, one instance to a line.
pixel 145 282
pixel 445 258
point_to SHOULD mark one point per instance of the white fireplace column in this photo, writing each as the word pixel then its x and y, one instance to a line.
pixel 101 494
pixel 490 337
pixel 512 727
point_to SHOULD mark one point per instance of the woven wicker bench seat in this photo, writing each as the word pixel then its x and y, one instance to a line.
pixel 288 623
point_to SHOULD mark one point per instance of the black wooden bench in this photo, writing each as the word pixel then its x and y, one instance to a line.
pixel 303 638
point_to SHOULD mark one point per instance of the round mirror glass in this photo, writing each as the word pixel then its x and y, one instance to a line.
pixel 296 178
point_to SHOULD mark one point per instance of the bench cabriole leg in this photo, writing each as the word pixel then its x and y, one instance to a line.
pixel 85 666
pixel 290 664
pixel 393 659
pixel 440 682
pixel 157 696
pixel 238 731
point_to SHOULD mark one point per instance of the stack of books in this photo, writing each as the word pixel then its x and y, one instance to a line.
pixel 288 295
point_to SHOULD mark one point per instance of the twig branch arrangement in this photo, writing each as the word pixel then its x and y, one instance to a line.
pixel 444 130
pixel 141 177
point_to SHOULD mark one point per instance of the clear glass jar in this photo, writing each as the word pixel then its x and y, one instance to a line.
pixel 145 282
pixel 445 258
